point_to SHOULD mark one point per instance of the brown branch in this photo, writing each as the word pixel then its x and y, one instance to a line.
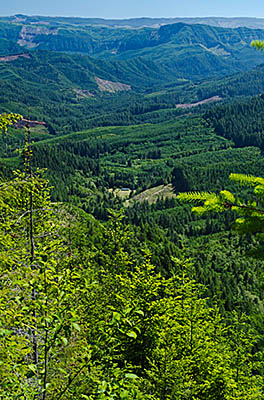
pixel 32 257
pixel 31 211
pixel 243 206
pixel 46 349
pixel 70 382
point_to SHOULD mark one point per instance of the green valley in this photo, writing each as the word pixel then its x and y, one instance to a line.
pixel 111 286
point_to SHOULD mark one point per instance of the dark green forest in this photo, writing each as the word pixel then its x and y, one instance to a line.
pixel 131 264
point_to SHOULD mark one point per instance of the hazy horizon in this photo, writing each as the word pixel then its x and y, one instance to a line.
pixel 117 9
pixel 123 18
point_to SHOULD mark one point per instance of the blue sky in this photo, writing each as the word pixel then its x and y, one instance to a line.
pixel 134 8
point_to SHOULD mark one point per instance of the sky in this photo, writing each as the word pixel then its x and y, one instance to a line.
pixel 134 8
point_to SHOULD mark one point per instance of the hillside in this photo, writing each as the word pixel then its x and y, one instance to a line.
pixel 73 88
pixel 112 287
pixel 82 92
pixel 186 51
pixel 93 168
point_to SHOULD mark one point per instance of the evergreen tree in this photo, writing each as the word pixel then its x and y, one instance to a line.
pixel 250 212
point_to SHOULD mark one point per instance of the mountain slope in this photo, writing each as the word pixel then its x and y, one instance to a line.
pixel 182 50
pixel 65 90
pixel 72 92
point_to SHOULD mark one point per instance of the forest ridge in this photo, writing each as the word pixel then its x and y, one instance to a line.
pixel 113 286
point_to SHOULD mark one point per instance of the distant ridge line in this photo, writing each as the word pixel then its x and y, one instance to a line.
pixel 225 22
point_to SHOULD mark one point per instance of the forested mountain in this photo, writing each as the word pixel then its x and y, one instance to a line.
pixel 125 292
pixel 79 92
pixel 188 51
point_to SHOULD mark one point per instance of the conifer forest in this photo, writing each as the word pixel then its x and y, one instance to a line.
pixel 131 209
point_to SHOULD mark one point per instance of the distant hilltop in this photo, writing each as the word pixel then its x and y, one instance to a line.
pixel 235 22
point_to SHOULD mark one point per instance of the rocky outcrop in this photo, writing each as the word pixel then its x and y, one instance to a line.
pixel 27 122
pixel 14 57
pixel 82 93
pixel 28 34
pixel 111 87
pixel 198 103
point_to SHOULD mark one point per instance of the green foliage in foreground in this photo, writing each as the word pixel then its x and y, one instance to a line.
pixel 258 44
pixel 102 325
pixel 106 327
pixel 251 212
pixel 8 119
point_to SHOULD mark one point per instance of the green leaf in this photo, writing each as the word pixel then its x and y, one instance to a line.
pixel 226 195
pixel 47 386
pixel 199 210
pixel 5 332
pixel 132 334
pixel 103 387
pixel 140 312
pixel 64 341
pixel 258 44
pixel 117 316
pixel 131 376
pixel 76 326
pixel 32 370
pixel 32 367
pixel 124 394
pixel 63 371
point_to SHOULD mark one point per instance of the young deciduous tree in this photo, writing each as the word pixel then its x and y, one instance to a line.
pixel 42 350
